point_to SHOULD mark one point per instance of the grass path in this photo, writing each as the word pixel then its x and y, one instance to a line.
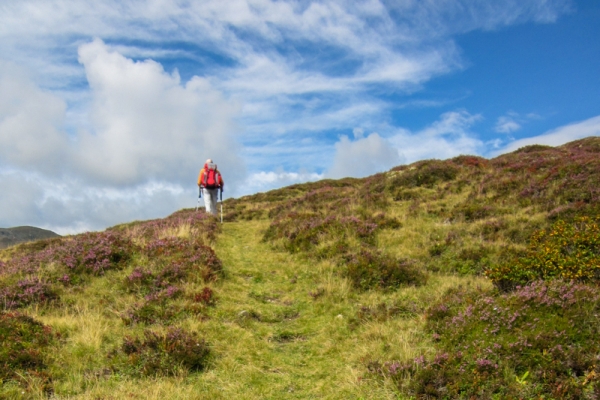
pixel 282 325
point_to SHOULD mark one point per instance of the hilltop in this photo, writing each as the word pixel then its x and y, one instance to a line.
pixel 460 278
pixel 20 234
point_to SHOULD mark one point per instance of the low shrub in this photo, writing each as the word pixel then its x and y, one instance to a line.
pixel 161 354
pixel 27 291
pixel 205 297
pixel 201 225
pixel 90 253
pixel 304 232
pixel 470 161
pixel 151 312
pixel 564 251
pixel 181 257
pixel 474 210
pixel 371 269
pixel 463 258
pixel 23 351
pixel 539 341
pixel 424 173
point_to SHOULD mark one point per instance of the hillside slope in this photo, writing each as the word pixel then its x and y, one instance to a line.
pixel 463 278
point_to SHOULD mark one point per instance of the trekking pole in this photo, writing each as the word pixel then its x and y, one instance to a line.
pixel 221 194
pixel 199 195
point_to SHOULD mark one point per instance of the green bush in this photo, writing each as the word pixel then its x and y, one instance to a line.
pixel 463 259
pixel 424 173
pixel 371 269
pixel 474 210
pixel 564 251
pixel 161 354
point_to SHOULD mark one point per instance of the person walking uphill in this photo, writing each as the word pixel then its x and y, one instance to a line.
pixel 210 181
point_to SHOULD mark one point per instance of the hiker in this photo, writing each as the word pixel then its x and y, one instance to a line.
pixel 210 182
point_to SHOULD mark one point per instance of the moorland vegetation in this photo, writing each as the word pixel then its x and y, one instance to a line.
pixel 460 278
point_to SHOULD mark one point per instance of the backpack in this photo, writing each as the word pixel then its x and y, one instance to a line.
pixel 211 176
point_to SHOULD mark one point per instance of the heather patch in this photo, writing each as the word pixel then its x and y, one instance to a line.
pixel 540 340
pixel 158 354
pixel 37 276
pixel 22 354
pixel 206 297
pixel 326 199
pixel 91 253
pixel 568 251
pixel 184 223
pixel 180 257
pixel 473 210
pixel 25 292
pixel 155 308
pixel 551 178
pixel 371 269
pixel 173 263
pixel 348 241
pixel 464 259
pixel 423 173
pixel 305 232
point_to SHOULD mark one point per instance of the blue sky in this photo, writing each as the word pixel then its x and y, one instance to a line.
pixel 108 109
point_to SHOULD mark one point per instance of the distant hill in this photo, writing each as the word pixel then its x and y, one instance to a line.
pixel 20 234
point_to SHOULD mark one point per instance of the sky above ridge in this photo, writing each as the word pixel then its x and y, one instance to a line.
pixel 108 109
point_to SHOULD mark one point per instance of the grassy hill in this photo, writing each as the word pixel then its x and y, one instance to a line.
pixel 462 278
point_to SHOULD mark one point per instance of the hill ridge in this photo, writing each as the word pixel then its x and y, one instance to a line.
pixel 21 234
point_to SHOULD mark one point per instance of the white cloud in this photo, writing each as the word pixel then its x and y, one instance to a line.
pixel 513 121
pixel 30 123
pixel 362 157
pixel 147 125
pixel 263 181
pixel 558 136
pixel 507 124
pixel 68 206
pixel 448 137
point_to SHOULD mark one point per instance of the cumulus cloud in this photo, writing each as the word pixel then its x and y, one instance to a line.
pixel 362 157
pixel 558 136
pixel 148 126
pixel 31 123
